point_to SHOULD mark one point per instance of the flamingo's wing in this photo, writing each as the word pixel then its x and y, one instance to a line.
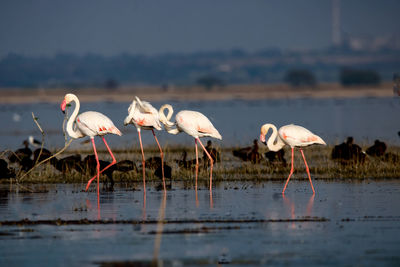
pixel 147 120
pixel 196 124
pixel 95 123
pixel 296 135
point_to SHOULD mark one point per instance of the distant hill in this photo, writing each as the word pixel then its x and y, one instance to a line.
pixel 231 67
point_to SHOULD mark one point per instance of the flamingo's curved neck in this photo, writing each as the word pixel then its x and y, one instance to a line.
pixel 70 130
pixel 274 142
pixel 166 120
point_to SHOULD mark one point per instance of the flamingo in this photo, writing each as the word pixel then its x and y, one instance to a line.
pixel 194 124
pixel 90 123
pixel 293 136
pixel 144 116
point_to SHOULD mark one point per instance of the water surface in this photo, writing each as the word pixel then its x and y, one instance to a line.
pixel 246 224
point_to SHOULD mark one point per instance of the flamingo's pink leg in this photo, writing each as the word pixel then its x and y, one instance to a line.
pixel 98 172
pixel 143 162
pixel 211 162
pixel 162 159
pixel 108 166
pixel 308 171
pixel 197 163
pixel 290 174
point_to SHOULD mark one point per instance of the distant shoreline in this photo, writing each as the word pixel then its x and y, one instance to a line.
pixel 244 92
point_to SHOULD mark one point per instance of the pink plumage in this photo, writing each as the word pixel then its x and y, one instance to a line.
pixel 298 136
pixel 294 136
pixel 144 116
pixel 194 124
pixel 90 123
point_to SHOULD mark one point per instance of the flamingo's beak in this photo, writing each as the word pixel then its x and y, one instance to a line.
pixel 262 139
pixel 63 105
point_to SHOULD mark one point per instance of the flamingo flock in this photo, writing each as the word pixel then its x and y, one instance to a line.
pixel 144 116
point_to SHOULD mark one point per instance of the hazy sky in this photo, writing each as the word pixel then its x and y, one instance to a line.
pixel 109 27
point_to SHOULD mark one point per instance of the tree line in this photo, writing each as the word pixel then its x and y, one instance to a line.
pixel 208 69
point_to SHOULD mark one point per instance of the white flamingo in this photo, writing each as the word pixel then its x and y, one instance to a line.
pixel 194 124
pixel 293 136
pixel 89 123
pixel 144 116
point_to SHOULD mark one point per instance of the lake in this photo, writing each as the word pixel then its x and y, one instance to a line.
pixel 238 121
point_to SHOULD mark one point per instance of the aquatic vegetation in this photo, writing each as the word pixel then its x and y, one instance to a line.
pixel 229 168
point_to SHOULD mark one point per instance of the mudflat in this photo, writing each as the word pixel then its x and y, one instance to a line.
pixel 246 92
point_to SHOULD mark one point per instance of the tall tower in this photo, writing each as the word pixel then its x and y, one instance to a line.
pixel 336 36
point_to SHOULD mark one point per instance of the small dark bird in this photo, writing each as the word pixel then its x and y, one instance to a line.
pixel 21 153
pixel 248 153
pixel 125 166
pixel 213 153
pixel 348 152
pixel 26 164
pixel 33 141
pixel 391 158
pixel 67 164
pixel 5 172
pixel 378 149
pixel 153 163
pixel 277 157
pixel 167 175
pixel 43 155
pixel 167 172
pixel 187 164
pixel 89 165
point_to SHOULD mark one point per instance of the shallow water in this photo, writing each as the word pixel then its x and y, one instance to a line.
pixel 244 224
pixel 238 121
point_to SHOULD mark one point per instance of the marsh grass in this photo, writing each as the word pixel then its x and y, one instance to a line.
pixel 229 168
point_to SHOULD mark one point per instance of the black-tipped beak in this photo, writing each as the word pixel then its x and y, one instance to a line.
pixel 63 106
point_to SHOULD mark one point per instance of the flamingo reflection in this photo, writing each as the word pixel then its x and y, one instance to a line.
pixel 290 204
pixel 160 227
pixel 197 198
pixel 211 201
pixel 144 206
pixel 89 207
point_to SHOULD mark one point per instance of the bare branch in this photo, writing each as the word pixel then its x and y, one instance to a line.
pixel 8 150
pixel 47 159
pixel 42 145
